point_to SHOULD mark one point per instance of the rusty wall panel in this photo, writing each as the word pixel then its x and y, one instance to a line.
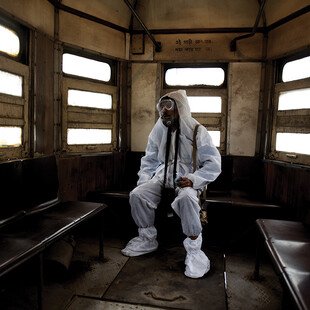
pixel 44 95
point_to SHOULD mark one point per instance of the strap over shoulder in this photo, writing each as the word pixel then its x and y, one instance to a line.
pixel 194 155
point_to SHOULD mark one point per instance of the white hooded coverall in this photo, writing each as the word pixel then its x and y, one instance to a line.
pixel 145 198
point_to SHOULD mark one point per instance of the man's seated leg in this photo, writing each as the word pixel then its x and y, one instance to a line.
pixel 145 243
pixel 143 200
pixel 197 263
pixel 187 208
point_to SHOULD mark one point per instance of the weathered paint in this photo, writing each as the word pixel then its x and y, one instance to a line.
pixel 243 102
pixel 143 96
pixel 37 13
pixel 92 36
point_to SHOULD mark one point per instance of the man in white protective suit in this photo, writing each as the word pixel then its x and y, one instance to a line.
pixel 175 120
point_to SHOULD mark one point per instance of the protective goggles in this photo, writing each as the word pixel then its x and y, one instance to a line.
pixel 167 104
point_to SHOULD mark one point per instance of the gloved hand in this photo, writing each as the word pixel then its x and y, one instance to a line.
pixel 183 182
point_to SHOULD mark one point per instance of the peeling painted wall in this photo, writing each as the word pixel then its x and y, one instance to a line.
pixel 290 37
pixel 275 9
pixel 204 47
pixel 143 106
pixel 91 35
pixel 161 14
pixel 243 102
pixel 115 11
pixel 37 13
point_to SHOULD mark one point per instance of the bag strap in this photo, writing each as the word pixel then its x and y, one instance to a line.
pixel 204 192
pixel 168 142
pixel 176 152
pixel 194 152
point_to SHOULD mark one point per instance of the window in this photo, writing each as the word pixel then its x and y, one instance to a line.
pixel 205 104
pixel 89 136
pixel 13 40
pixel 294 99
pixel 207 95
pixel 11 84
pixel 14 79
pixel 293 142
pixel 10 136
pixel 86 67
pixel 89 100
pixel 296 69
pixel 195 76
pixel 9 42
pixel 291 126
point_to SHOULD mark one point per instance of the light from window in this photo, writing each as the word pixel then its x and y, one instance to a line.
pixel 195 76
pixel 216 137
pixel 11 84
pixel 293 142
pixel 89 99
pixel 294 99
pixel 89 136
pixel 86 67
pixel 9 42
pixel 296 69
pixel 205 104
pixel 10 136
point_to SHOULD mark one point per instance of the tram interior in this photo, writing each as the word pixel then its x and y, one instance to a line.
pixel 141 39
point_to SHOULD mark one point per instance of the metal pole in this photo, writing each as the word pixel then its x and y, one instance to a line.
pixel 156 44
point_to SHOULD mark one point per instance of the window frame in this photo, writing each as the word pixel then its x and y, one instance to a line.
pixel 280 63
pixel 92 118
pixel 16 110
pixel 223 66
pixel 23 34
pixel 288 121
pixel 112 63
pixel 212 121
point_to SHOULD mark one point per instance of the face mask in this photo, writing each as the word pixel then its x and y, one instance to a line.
pixel 171 122
pixel 168 112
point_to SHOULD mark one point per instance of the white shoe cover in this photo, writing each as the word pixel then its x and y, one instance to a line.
pixel 145 243
pixel 197 263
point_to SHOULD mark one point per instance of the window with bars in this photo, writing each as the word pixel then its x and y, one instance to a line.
pixel 207 95
pixel 291 124
pixel 89 101
pixel 14 89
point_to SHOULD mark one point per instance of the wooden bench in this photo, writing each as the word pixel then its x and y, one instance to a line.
pixel 288 245
pixel 238 192
pixel 32 217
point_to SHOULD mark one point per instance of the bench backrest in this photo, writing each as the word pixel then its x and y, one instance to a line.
pixel 26 184
pixel 11 189
pixel 40 179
